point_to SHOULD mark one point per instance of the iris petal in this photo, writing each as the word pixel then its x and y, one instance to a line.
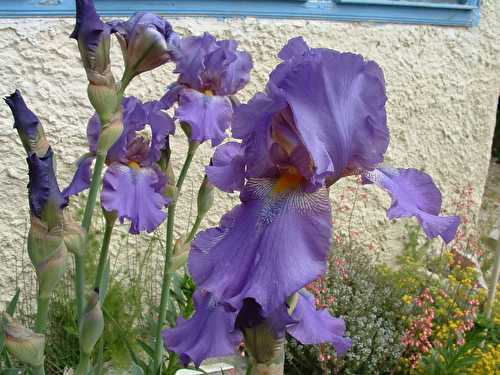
pixel 255 251
pixel 135 194
pixel 82 178
pixel 414 194
pixel 228 169
pixel 209 116
pixel 317 326
pixel 208 333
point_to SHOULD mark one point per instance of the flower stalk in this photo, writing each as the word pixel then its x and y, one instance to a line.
pixel 167 274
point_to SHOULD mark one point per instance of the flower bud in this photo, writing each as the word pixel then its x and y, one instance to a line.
pixel 92 324
pixel 170 187
pixel 27 346
pixel 48 254
pixel 104 99
pixel 93 38
pixel 181 254
pixel 27 125
pixel 75 237
pixel 147 41
pixel 205 197
pixel 110 133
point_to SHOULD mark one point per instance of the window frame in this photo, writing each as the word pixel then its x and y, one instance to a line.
pixel 385 11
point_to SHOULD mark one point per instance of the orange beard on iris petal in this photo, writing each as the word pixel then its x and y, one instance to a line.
pixel 289 180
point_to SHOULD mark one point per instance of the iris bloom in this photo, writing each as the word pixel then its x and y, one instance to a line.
pixel 133 184
pixel 210 71
pixel 321 117
pixel 146 40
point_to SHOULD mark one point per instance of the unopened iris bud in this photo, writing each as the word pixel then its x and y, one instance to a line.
pixel 147 41
pixel 48 254
pixel 93 38
pixel 205 197
pixel 75 236
pixel 188 130
pixel 27 125
pixel 24 344
pixel 92 324
pixel 45 198
pixel 110 133
pixel 170 187
pixel 181 254
pixel 104 99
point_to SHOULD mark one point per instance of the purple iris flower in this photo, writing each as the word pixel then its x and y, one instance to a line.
pixel 93 38
pixel 146 40
pixel 27 125
pixel 210 71
pixel 321 117
pixel 133 184
pixel 216 330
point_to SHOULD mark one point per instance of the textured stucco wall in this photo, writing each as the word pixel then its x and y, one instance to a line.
pixel 442 84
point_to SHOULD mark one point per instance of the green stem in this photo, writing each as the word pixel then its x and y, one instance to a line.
pixel 38 370
pixel 167 275
pixel 83 365
pixel 42 314
pixel 103 257
pixel 495 273
pixel 87 219
pixel 194 229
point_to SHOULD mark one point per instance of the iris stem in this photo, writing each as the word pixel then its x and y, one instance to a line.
pixel 87 220
pixel 83 365
pixel 194 229
pixel 38 370
pixel 42 314
pixel 103 256
pixel 167 275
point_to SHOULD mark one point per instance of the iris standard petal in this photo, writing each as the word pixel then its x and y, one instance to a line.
pixel 190 56
pixel 227 171
pixel 161 126
pixel 256 250
pixel 337 101
pixel 209 116
pixel 318 326
pixel 147 41
pixel 208 333
pixel 226 69
pixel 43 188
pixel 414 193
pixel 82 178
pixel 295 47
pixel 135 118
pixel 135 194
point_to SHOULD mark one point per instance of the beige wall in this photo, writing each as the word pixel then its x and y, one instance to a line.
pixel 442 83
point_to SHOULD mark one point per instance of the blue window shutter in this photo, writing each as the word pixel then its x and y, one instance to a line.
pixel 456 13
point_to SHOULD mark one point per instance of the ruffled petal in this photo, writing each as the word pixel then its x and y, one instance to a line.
pixel 189 58
pixel 338 105
pixel 82 178
pixel 255 251
pixel 208 333
pixel 295 47
pixel 135 194
pixel 226 69
pixel 161 126
pixel 318 326
pixel 414 193
pixel 209 116
pixel 227 171
pixel 135 118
